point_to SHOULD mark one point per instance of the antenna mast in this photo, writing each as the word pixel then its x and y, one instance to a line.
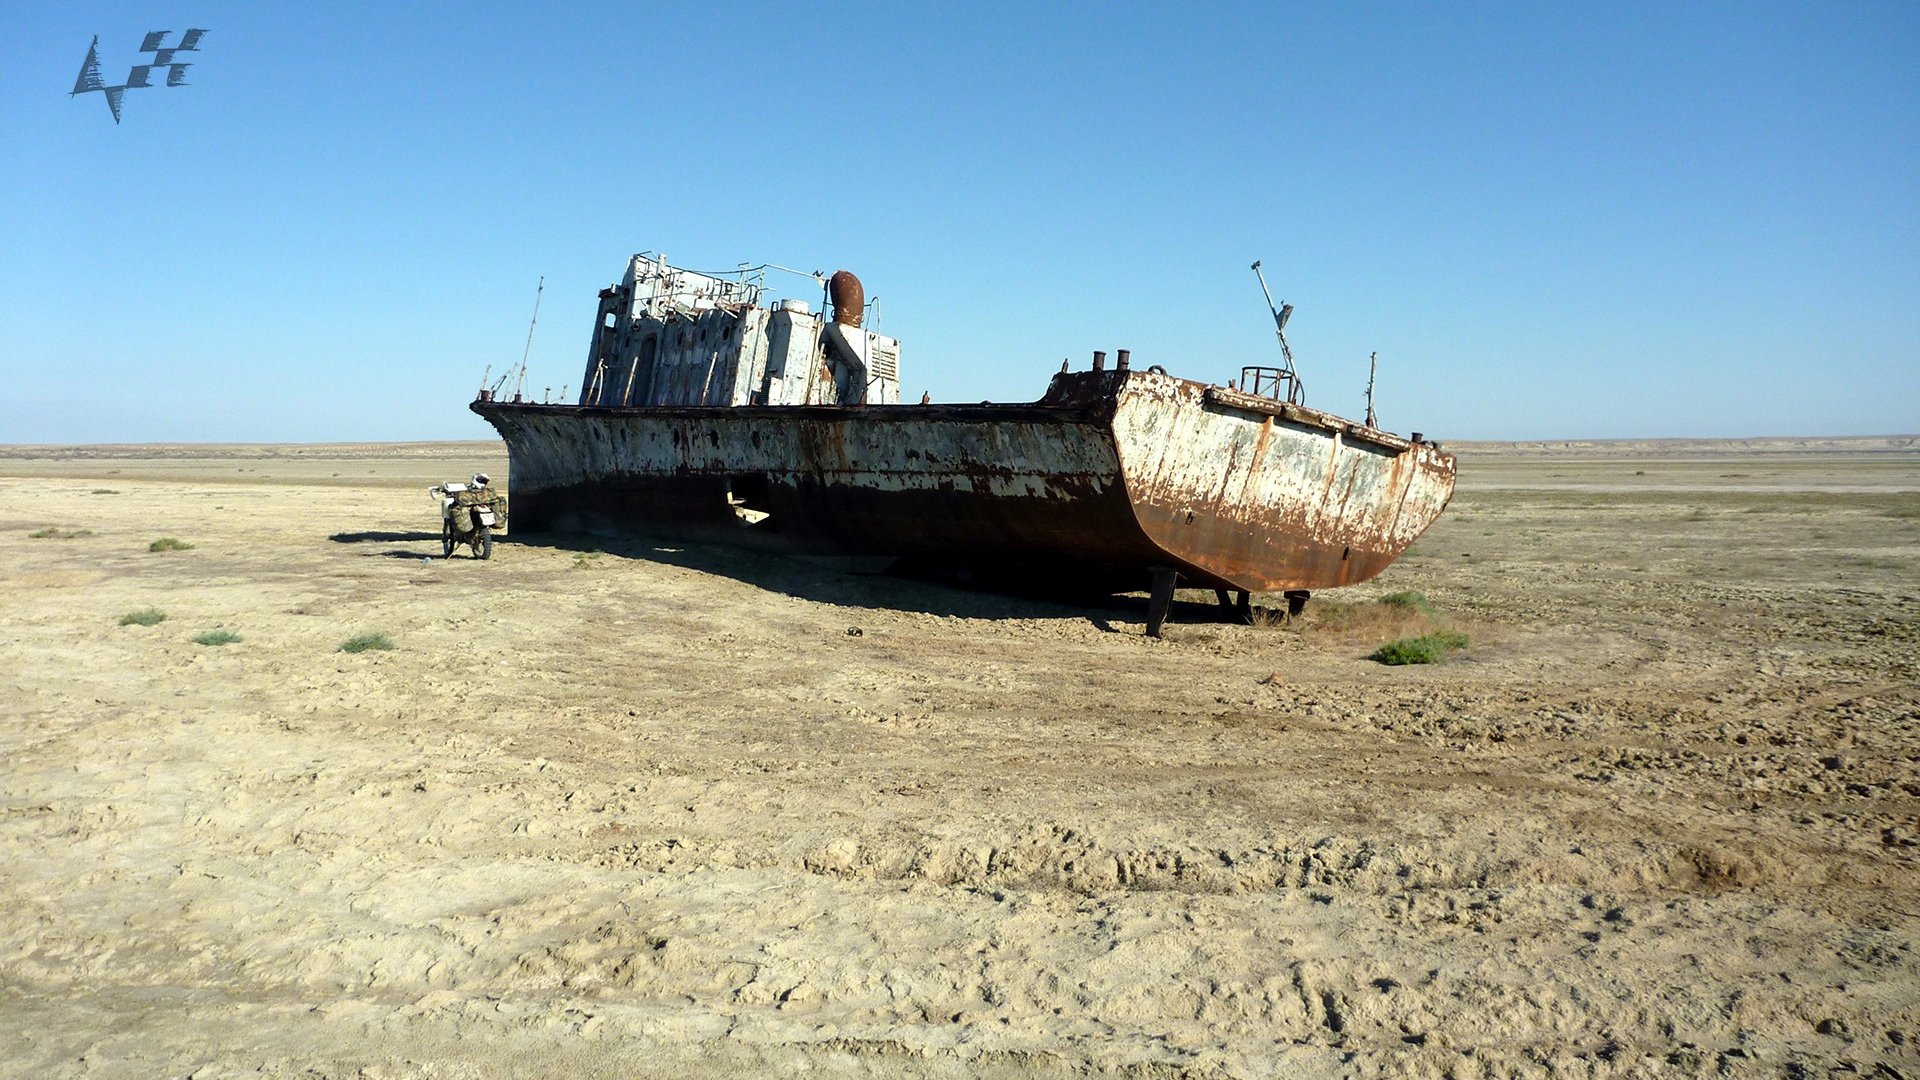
pixel 1280 316
pixel 524 353
pixel 1373 366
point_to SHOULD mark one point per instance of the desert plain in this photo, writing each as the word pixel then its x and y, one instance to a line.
pixel 615 809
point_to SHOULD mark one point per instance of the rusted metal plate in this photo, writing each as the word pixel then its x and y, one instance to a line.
pixel 1270 496
pixel 1111 472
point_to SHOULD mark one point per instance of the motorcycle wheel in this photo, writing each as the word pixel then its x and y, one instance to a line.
pixel 446 539
pixel 483 542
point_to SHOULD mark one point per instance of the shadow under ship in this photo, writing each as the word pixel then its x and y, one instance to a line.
pixel 706 416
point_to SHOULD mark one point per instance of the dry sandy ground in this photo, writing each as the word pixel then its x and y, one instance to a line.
pixel 655 812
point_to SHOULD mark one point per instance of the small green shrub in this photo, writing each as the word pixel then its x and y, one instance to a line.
pixel 1425 649
pixel 584 560
pixel 169 543
pixel 144 617
pixel 217 637
pixel 1409 600
pixel 363 642
pixel 58 534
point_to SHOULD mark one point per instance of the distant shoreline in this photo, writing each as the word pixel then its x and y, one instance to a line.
pixel 424 449
pixel 1597 448
pixel 1638 448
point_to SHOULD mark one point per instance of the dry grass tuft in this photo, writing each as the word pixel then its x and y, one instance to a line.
pixel 1346 622
pixel 1410 624
pixel 1424 649
pixel 1409 600
pixel 363 642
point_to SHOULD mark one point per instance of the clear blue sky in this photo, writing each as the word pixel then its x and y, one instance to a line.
pixel 1549 220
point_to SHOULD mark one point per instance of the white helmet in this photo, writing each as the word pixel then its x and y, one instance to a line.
pixel 481 479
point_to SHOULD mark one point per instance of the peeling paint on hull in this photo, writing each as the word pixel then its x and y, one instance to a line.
pixel 1110 473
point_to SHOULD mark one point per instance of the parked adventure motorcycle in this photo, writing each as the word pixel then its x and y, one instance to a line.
pixel 463 520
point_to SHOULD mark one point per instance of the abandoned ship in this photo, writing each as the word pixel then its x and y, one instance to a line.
pixel 706 415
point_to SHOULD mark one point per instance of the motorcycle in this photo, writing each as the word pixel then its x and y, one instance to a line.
pixel 482 521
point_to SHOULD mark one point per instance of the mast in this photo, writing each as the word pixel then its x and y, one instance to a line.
pixel 1280 316
pixel 524 353
pixel 1373 366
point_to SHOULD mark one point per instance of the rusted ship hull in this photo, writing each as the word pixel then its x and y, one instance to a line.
pixel 1111 475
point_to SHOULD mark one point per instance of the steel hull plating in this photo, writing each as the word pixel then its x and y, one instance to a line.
pixel 1110 474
